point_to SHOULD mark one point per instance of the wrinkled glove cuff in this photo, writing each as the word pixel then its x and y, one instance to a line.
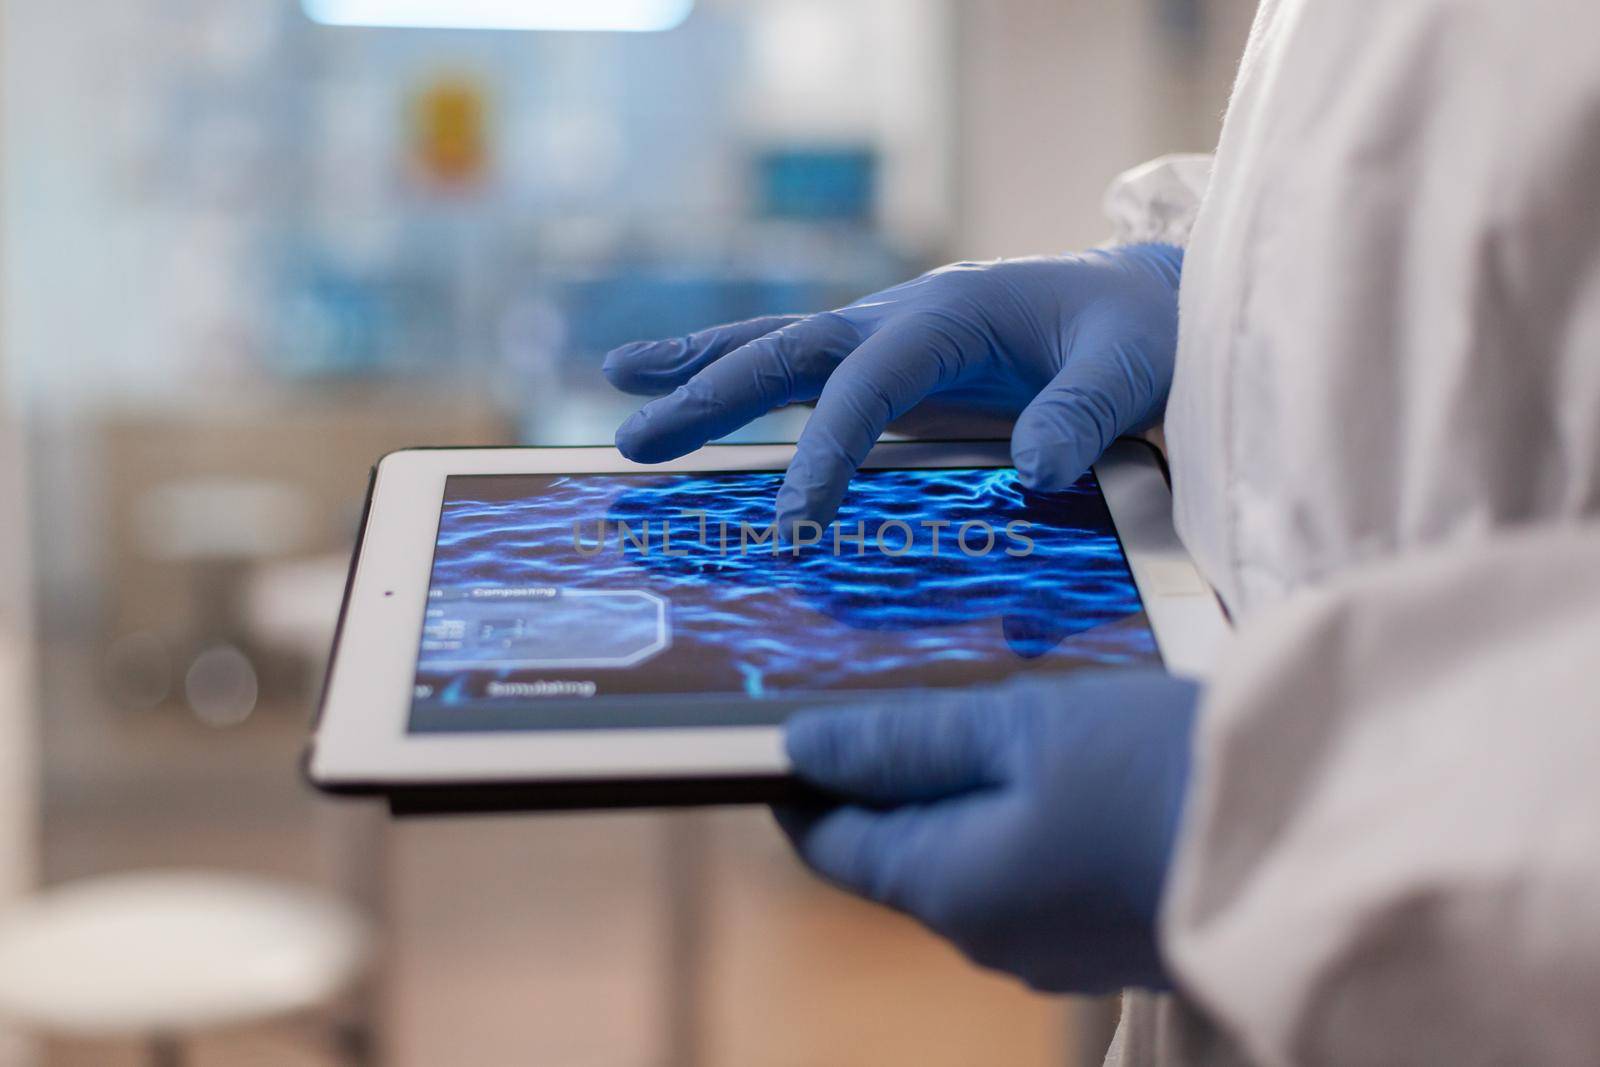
pixel 1158 201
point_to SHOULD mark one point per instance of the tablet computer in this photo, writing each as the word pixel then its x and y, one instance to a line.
pixel 530 628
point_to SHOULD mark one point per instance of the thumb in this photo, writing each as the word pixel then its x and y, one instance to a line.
pixel 1105 389
pixel 905 751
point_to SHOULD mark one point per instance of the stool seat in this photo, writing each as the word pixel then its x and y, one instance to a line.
pixel 173 952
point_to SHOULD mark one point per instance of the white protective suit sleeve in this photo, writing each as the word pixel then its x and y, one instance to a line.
pixel 1385 446
pixel 1401 862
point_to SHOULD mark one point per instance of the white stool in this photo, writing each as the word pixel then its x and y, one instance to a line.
pixel 161 955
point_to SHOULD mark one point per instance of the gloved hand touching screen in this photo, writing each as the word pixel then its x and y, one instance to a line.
pixel 1078 349
pixel 1031 824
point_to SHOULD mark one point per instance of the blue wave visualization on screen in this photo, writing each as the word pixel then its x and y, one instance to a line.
pixel 526 604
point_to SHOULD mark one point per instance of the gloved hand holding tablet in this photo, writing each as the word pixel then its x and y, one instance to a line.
pixel 531 628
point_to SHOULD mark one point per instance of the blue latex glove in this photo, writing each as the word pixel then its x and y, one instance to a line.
pixel 1078 349
pixel 1030 824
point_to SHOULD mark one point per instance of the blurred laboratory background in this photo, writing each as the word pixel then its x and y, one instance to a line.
pixel 251 245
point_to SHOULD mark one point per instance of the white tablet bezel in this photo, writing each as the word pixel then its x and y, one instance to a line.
pixel 361 739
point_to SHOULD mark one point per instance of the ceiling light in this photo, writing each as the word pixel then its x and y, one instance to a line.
pixel 625 15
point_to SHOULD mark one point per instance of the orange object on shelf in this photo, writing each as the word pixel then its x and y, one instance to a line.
pixel 450 132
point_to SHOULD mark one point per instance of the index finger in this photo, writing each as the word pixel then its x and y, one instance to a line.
pixel 881 380
pixel 783 367
pixel 651 368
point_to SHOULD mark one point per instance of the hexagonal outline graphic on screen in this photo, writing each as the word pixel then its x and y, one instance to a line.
pixel 660 643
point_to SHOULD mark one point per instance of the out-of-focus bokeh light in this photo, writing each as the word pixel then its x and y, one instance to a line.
pixel 221 686
pixel 138 670
pixel 617 15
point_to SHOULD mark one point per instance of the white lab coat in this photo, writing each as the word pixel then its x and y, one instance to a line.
pixel 1385 446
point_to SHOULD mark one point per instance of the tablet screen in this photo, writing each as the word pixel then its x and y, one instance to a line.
pixel 664 600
